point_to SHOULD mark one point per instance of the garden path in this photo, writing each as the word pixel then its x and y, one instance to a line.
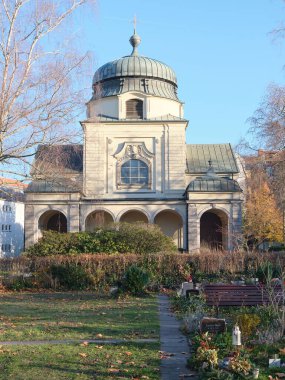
pixel 173 344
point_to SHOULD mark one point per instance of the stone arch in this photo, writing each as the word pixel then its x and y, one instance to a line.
pixel 171 224
pixel 98 218
pixel 133 216
pixel 52 220
pixel 214 228
pixel 214 207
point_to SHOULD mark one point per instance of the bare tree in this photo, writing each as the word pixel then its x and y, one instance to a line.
pixel 266 139
pixel 40 94
pixel 268 121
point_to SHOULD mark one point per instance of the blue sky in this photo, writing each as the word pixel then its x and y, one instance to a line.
pixel 221 50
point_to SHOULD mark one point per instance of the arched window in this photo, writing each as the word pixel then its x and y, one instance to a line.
pixel 134 109
pixel 134 172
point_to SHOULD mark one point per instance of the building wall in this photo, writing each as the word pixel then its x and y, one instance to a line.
pixel 104 145
pixel 115 106
pixel 11 228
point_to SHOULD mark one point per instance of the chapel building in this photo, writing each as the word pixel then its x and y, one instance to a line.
pixel 135 166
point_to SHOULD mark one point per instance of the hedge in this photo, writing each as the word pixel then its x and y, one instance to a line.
pixel 165 269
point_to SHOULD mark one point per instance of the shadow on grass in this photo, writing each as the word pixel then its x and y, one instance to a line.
pixel 102 366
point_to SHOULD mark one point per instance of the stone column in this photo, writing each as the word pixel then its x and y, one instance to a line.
pixel 73 222
pixel 193 229
pixel 30 226
pixel 236 223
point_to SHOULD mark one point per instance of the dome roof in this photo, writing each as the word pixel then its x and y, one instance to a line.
pixel 135 73
pixel 213 183
pixel 217 184
pixel 135 65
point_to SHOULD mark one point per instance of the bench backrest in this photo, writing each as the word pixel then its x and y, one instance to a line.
pixel 240 295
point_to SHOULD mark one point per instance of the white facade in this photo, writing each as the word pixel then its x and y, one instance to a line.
pixel 11 228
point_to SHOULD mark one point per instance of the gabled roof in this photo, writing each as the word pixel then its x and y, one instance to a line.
pixel 12 189
pixel 221 156
pixel 12 183
pixel 68 158
pixel 53 186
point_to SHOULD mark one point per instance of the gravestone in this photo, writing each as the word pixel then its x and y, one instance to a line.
pixel 213 325
pixel 273 363
pixel 186 286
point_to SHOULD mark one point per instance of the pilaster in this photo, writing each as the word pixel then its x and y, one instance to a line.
pixel 193 229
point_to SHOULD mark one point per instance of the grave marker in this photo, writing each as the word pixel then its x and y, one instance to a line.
pixel 213 325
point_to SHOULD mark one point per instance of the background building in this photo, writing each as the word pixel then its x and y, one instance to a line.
pixel 134 165
pixel 11 217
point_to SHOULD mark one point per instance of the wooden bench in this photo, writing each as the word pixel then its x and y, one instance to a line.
pixel 240 295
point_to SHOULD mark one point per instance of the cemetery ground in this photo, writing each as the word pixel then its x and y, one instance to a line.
pixel 213 354
pixel 74 318
pixel 126 329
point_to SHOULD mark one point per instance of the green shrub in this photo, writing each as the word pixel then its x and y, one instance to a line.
pixel 248 324
pixel 135 280
pixel 18 283
pixel 117 238
pixel 217 374
pixel 267 270
pixel 71 276
pixel 144 238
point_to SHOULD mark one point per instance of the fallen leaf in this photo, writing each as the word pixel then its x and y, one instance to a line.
pixel 128 353
pixel 83 355
pixel 113 370
pixel 165 355
pixel 99 336
pixel 84 344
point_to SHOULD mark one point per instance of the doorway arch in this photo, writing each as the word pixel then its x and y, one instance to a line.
pixel 214 229
pixel 171 224
pixel 134 216
pixel 96 219
pixel 53 220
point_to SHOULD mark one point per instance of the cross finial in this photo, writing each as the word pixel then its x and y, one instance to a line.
pixel 135 24
pixel 135 40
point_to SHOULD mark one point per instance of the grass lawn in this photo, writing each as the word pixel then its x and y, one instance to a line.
pixel 53 362
pixel 50 316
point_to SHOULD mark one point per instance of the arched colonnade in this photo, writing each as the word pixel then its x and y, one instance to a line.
pixel 170 221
